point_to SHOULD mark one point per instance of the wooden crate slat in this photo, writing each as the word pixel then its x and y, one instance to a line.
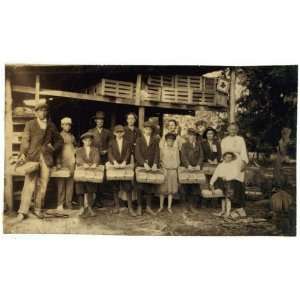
pixel 160 81
pixel 188 81
pixel 116 88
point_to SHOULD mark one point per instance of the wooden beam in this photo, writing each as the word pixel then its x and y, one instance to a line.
pixel 141 116
pixel 89 97
pixel 232 97
pixel 37 88
pixel 8 186
pixel 138 89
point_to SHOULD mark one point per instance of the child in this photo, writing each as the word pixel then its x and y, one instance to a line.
pixel 87 157
pixel 66 159
pixel 192 157
pixel 226 177
pixel 169 157
pixel 119 156
pixel 147 156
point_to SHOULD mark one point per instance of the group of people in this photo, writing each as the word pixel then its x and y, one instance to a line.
pixel 126 145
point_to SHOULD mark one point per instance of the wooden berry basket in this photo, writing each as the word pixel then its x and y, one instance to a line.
pixel 153 177
pixel 123 174
pixel 206 193
pixel 186 176
pixel 60 173
pixel 95 175
pixel 26 168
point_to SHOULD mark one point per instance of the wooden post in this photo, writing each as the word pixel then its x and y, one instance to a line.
pixel 138 89
pixel 141 116
pixel 37 88
pixel 8 186
pixel 232 97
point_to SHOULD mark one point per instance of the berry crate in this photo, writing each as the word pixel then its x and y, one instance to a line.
pixel 194 82
pixel 160 81
pixel 186 176
pixel 94 175
pixel 176 95
pixel 153 177
pixel 118 89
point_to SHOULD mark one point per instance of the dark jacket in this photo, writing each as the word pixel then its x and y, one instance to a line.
pixel 81 157
pixel 132 135
pixel 35 141
pixel 209 154
pixel 101 141
pixel 144 153
pixel 192 155
pixel 114 153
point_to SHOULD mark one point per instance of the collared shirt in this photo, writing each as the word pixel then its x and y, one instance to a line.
pixel 42 123
pixel 120 144
pixel 99 129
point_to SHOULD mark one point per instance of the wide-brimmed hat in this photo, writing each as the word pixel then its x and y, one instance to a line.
pixel 149 124
pixel 229 152
pixel 119 128
pixel 99 115
pixel 86 135
pixel 191 131
pixel 42 103
pixel 171 136
pixel 209 129
pixel 66 120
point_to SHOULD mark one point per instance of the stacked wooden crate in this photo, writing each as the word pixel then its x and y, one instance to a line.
pixel 118 89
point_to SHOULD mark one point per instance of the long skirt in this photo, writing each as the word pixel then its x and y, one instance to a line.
pixel 233 190
pixel 170 186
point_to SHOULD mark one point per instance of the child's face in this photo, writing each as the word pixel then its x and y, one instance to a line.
pixel 42 113
pixel 191 138
pixel 170 142
pixel 210 135
pixel 87 141
pixel 171 126
pixel 148 131
pixel 130 120
pixel 228 158
pixel 232 130
pixel 201 128
pixel 66 127
pixel 119 134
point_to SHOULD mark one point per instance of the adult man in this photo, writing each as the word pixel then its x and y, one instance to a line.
pixel 101 141
pixel 40 142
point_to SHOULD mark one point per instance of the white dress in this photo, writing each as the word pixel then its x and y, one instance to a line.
pixel 237 145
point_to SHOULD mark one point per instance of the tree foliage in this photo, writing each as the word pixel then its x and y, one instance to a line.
pixel 267 103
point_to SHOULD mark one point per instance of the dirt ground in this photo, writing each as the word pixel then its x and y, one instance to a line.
pixel 181 222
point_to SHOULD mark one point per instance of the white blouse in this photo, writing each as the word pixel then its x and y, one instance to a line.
pixel 237 145
pixel 227 171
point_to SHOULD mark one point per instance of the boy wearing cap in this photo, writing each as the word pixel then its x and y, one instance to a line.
pixel 66 159
pixel 147 156
pixel 89 158
pixel 40 142
pixel 119 156
pixel 101 139
pixel 192 157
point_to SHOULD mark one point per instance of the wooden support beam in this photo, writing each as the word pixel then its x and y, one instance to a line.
pixel 8 186
pixel 37 88
pixel 89 97
pixel 141 116
pixel 232 99
pixel 138 89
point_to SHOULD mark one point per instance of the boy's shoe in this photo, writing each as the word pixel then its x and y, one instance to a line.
pixel 150 211
pixel 60 208
pixel 139 211
pixel 18 219
pixel 38 213
pixel 131 212
pixel 160 210
pixel 242 213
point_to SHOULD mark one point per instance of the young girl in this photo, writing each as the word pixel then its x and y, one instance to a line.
pixel 211 146
pixel 66 159
pixel 119 155
pixel 87 157
pixel 169 158
pixel 226 178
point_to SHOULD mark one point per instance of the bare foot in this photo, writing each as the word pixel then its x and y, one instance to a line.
pixel 170 210
pixel 150 211
pixel 160 210
pixel 219 214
